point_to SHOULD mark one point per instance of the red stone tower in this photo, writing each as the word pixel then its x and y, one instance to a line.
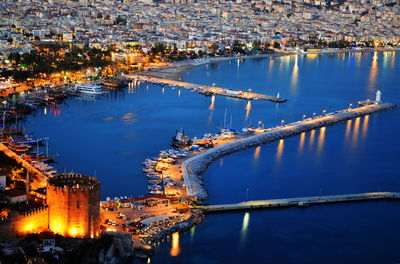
pixel 74 205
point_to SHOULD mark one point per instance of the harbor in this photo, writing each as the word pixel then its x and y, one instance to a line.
pixel 207 90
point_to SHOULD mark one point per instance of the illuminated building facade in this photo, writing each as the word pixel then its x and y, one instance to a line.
pixel 74 205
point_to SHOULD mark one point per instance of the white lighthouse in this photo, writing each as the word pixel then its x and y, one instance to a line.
pixel 378 97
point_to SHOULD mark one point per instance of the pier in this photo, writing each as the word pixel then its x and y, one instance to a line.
pixel 288 202
pixel 194 166
pixel 205 89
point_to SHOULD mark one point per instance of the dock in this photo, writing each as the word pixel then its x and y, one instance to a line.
pixel 288 202
pixel 196 165
pixel 208 90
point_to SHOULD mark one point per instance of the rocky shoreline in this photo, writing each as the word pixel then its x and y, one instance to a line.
pixel 196 217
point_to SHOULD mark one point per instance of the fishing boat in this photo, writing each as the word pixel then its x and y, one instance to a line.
pixel 19 147
pixel 154 187
pixel 88 89
pixel 180 140
pixel 154 181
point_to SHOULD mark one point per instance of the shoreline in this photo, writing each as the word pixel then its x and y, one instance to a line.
pixel 175 71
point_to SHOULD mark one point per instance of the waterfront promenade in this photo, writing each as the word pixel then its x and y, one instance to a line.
pixel 277 203
pixel 196 165
pixel 205 89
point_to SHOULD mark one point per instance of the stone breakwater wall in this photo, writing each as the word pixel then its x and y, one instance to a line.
pixel 195 166
pixel 196 218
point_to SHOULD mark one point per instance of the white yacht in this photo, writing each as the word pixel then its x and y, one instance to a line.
pixel 89 89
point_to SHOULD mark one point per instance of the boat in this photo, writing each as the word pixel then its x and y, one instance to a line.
pixel 180 140
pixel 88 89
pixel 154 181
pixel 155 192
pixel 302 205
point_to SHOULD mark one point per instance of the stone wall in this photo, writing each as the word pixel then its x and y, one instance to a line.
pixel 19 224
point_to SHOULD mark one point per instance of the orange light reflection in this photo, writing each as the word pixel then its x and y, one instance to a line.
pixel 321 139
pixel 175 250
pixel 279 150
pixel 312 135
pixel 356 131
pixel 301 144
pixel 365 126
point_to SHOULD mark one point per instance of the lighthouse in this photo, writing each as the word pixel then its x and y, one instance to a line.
pixel 378 97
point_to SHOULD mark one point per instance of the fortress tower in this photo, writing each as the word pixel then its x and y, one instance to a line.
pixel 74 205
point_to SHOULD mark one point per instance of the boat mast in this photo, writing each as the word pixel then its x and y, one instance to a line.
pixel 4 120
pixel 37 155
pixel 230 125
pixel 225 119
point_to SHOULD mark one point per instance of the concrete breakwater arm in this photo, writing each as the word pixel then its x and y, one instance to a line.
pixel 196 165
pixel 277 203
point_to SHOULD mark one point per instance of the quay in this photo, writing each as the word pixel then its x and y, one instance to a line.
pixel 196 165
pixel 305 201
pixel 208 90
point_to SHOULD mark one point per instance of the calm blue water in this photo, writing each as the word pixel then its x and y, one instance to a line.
pixel 112 135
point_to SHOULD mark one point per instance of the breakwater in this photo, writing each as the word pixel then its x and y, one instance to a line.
pixel 208 90
pixel 304 201
pixel 192 168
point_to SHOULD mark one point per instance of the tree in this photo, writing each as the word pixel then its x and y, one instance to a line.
pixel 237 47
pixel 214 47
pixel 277 45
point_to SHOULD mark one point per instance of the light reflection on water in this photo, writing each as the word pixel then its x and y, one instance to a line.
pixel 248 108
pixel 312 135
pixel 279 150
pixel 301 143
pixel 348 129
pixel 175 249
pixel 365 126
pixel 373 72
pixel 321 139
pixel 355 132
pixel 243 232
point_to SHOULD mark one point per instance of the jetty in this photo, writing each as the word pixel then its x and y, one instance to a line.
pixel 196 165
pixel 208 90
pixel 300 201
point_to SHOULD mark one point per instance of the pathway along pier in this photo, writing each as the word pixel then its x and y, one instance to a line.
pixel 193 167
pixel 278 203
pixel 208 90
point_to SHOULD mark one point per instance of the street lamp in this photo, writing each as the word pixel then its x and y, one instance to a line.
pixel 323 111
pixel 304 116
pixel 350 105
pixel 313 114
pixel 259 123
pixel 283 121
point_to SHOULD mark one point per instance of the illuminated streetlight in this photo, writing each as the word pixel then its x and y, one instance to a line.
pixel 324 111
pixel 283 121
pixel 304 116
pixel 350 105
pixel 313 114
